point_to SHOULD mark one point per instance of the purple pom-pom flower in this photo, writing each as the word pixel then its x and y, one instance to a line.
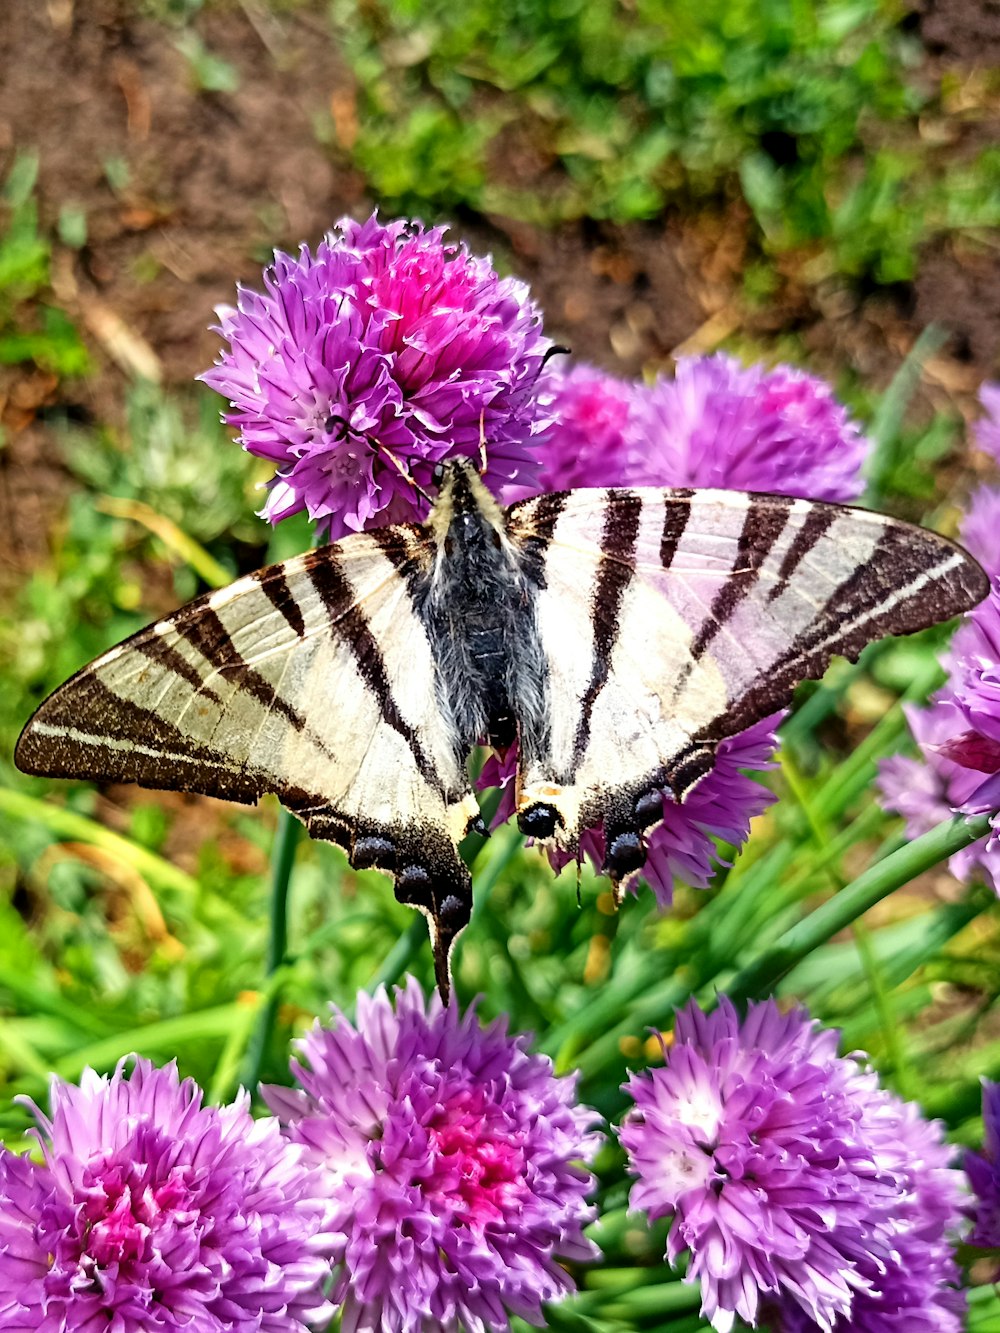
pixel 747 428
pixel 591 438
pixel 983 1170
pixel 959 731
pixel 362 366
pixel 802 1190
pixel 987 429
pixel 455 1160
pixel 716 423
pixel 153 1212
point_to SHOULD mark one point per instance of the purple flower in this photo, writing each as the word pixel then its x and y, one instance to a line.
pixel 959 732
pixel 590 440
pixel 719 423
pixel 453 1160
pixel 801 1189
pixel 987 428
pixel 715 423
pixel 362 366
pixel 983 1170
pixel 929 790
pixel 153 1212
pixel 980 526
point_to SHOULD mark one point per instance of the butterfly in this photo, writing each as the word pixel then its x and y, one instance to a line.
pixel 616 635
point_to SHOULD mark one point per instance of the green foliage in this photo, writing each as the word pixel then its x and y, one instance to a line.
pixel 30 328
pixel 210 73
pixel 178 458
pixel 586 107
pixel 621 96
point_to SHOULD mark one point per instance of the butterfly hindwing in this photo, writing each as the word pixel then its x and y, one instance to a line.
pixel 672 619
pixel 619 635
pixel 313 680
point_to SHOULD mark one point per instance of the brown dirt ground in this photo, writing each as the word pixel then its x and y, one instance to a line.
pixel 213 180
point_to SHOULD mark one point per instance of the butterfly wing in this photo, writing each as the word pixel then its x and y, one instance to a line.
pixel 312 679
pixel 670 620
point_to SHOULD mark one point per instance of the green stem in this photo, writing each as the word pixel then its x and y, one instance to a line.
pixel 883 1007
pixel 877 882
pixel 63 823
pixel 402 954
pixel 282 861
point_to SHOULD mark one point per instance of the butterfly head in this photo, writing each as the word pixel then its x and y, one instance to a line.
pixel 464 510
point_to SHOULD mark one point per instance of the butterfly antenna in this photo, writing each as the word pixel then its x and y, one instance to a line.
pixel 377 447
pixel 404 472
pixel 482 443
pixel 554 350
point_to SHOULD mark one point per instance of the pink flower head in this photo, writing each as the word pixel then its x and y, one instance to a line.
pixel 934 788
pixel 801 1189
pixel 589 440
pixel 152 1212
pixel 980 528
pixel 959 732
pixel 715 423
pixel 983 1170
pixel 453 1158
pixel 361 367
pixel 987 429
pixel 719 423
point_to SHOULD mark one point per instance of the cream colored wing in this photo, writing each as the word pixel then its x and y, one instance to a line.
pixel 312 679
pixel 672 619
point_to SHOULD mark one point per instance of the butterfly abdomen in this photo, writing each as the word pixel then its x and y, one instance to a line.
pixel 479 612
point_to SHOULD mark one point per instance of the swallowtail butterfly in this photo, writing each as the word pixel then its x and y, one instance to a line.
pixel 617 635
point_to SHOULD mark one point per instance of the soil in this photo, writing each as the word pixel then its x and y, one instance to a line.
pixel 185 191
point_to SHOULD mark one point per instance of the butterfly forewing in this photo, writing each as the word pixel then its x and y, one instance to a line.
pixel 673 619
pixel 618 634
pixel 313 680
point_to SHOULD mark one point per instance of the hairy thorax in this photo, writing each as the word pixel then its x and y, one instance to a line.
pixel 479 612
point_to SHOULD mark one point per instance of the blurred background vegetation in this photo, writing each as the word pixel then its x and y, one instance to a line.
pixel 813 180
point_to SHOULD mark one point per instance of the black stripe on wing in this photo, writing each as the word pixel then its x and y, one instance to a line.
pixel 205 631
pixel 614 573
pixel 676 512
pixel 913 579
pixel 818 522
pixel 274 586
pixel 349 623
pixel 763 524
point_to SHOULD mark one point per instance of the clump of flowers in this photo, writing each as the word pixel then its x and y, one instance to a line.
pixel 716 422
pixel 804 1193
pixel 454 1159
pixel 988 426
pixel 720 423
pixel 983 1170
pixel 154 1212
pixel 362 366
pixel 590 439
pixel 959 731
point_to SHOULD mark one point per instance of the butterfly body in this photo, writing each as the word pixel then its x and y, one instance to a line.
pixel 478 608
pixel 617 636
